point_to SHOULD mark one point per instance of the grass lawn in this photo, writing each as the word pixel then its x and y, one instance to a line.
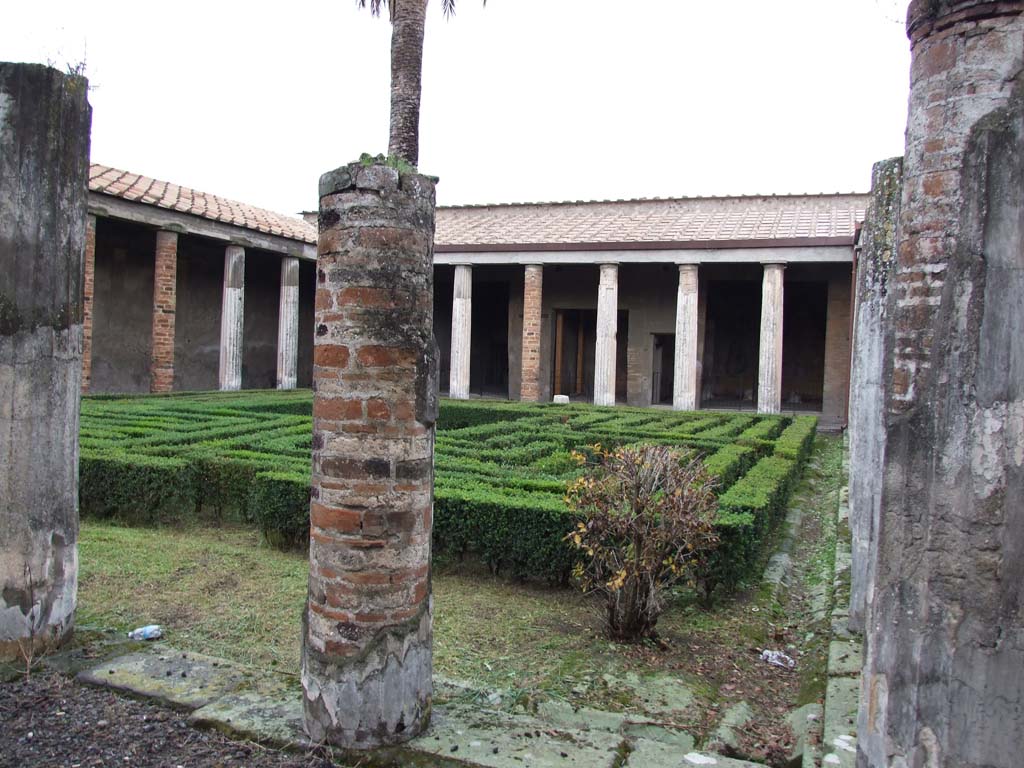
pixel 218 590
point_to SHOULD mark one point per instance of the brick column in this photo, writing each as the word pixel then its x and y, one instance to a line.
pixel 366 666
pixel 232 319
pixel 533 284
pixel 607 330
pixel 288 325
pixel 44 174
pixel 684 395
pixel 88 291
pixel 944 654
pixel 462 332
pixel 161 366
pixel 769 376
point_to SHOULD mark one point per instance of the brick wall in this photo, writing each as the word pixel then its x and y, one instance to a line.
pixel 532 302
pixel 161 369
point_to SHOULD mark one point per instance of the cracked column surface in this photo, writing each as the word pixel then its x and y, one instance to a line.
pixel 943 681
pixel 769 370
pixel 232 319
pixel 366 664
pixel 44 165
pixel 684 377
pixel 288 325
pixel 462 332
pixel 607 330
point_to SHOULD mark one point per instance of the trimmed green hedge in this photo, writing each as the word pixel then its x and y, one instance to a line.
pixel 502 470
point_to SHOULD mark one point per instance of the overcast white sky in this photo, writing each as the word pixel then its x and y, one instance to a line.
pixel 524 100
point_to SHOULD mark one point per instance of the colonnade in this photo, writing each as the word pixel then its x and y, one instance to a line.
pixel 685 394
pixel 232 316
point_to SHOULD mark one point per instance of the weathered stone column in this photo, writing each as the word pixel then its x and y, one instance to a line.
pixel 288 325
pixel 607 331
pixel 366 667
pixel 88 291
pixel 165 275
pixel 533 296
pixel 944 668
pixel 872 364
pixel 769 373
pixel 462 332
pixel 44 168
pixel 684 395
pixel 232 319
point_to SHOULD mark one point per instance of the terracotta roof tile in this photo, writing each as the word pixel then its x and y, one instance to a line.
pixel 707 219
pixel 695 219
pixel 162 194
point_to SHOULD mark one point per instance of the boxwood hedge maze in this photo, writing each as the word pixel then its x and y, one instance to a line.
pixel 501 470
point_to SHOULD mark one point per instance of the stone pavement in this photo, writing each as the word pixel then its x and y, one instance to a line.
pixel 842 696
pixel 468 727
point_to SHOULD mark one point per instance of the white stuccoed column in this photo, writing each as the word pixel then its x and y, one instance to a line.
pixel 607 325
pixel 232 316
pixel 769 380
pixel 462 332
pixel 684 382
pixel 288 324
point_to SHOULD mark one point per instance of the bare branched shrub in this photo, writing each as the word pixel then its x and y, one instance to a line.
pixel 648 521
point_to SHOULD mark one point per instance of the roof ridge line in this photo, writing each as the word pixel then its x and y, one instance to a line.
pixel 683 198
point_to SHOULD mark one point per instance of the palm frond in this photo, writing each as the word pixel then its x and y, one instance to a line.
pixel 448 6
pixel 375 6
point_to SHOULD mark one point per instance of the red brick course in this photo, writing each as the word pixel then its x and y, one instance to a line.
pixel 88 291
pixel 533 295
pixel 953 84
pixel 161 370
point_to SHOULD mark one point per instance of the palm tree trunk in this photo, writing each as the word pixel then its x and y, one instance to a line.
pixel 406 67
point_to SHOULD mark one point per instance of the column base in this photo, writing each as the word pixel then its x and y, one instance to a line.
pixel 379 697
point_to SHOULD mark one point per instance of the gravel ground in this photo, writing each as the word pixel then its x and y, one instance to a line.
pixel 56 723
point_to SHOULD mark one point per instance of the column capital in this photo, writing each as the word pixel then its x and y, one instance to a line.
pixel 778 264
pixel 686 266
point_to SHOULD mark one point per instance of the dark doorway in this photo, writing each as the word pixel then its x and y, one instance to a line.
pixel 488 355
pixel 574 349
pixel 663 369
pixel 731 339
pixel 122 307
pixel 805 308
pixel 443 276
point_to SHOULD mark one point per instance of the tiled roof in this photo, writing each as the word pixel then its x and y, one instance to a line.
pixel 638 222
pixel 163 194
pixel 507 226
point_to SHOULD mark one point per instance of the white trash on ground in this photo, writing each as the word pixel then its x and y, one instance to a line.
pixel 777 658
pixel 148 632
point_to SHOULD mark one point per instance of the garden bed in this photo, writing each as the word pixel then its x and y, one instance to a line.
pixel 502 470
